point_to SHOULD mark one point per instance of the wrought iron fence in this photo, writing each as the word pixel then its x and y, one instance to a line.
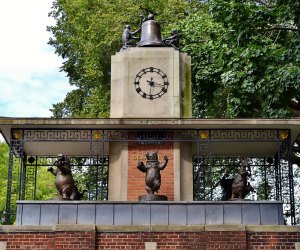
pixel 275 171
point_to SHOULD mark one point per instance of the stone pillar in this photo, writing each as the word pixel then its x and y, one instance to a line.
pixel 162 75
pixel 186 171
pixel 118 169
pixel 150 82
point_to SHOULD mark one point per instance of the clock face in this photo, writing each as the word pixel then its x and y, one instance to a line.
pixel 151 83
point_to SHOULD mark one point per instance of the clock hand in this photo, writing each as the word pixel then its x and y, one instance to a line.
pixel 151 82
pixel 154 84
pixel 158 84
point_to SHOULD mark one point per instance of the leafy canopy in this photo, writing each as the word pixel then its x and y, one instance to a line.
pixel 245 58
pixel 245 54
pixel 4 156
pixel 86 34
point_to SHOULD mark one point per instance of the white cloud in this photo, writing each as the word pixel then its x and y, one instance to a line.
pixel 30 81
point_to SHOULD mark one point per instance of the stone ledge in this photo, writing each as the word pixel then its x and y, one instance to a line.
pixel 46 229
pixel 74 228
pixel 237 227
pixel 200 228
pixel 145 228
pixel 272 228
pixel 25 229
pixel 156 228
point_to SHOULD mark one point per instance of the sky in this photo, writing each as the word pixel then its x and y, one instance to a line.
pixel 30 80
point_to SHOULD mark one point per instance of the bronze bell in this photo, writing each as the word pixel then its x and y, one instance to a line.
pixel 150 34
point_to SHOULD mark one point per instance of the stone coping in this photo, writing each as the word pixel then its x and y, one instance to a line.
pixel 140 228
pixel 7 123
pixel 147 202
pixel 139 121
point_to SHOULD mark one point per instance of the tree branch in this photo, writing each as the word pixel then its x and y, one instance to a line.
pixel 271 28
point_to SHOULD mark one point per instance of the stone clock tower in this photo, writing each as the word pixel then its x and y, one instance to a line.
pixel 148 81
pixel 151 82
pixel 152 79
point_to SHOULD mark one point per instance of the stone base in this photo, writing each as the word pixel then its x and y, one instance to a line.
pixel 153 197
pixel 30 213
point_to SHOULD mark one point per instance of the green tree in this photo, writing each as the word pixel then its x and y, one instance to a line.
pixel 45 185
pixel 4 155
pixel 245 53
pixel 245 58
pixel 86 34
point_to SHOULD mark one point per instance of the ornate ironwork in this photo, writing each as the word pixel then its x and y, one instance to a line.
pixel 56 135
pixel 277 175
pixel 14 179
pixel 114 135
pixel 277 180
pixel 243 134
pixel 30 182
pixel 286 175
pixel 202 172
pixel 144 135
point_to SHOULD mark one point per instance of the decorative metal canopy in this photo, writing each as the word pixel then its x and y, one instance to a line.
pixel 89 139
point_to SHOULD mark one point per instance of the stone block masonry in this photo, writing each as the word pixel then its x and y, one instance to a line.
pixel 209 237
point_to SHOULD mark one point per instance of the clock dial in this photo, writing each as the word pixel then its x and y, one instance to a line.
pixel 151 83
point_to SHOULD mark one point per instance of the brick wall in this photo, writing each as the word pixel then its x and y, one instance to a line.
pixel 28 240
pixel 272 240
pixel 137 240
pixel 229 240
pixel 136 179
pixel 75 237
pixel 74 240
pixel 210 237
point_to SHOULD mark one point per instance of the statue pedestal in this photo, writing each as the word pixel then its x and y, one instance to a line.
pixel 31 213
pixel 153 197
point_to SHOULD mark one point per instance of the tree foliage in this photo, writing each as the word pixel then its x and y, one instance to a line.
pixel 45 184
pixel 4 156
pixel 245 58
pixel 245 53
pixel 86 34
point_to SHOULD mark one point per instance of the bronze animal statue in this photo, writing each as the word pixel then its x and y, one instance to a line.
pixel 173 40
pixel 152 170
pixel 226 185
pixel 128 37
pixel 64 182
pixel 240 186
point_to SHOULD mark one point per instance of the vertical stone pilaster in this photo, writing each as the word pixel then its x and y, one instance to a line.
pixel 186 171
pixel 118 170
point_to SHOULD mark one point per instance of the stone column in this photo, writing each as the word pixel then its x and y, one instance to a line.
pixel 150 83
